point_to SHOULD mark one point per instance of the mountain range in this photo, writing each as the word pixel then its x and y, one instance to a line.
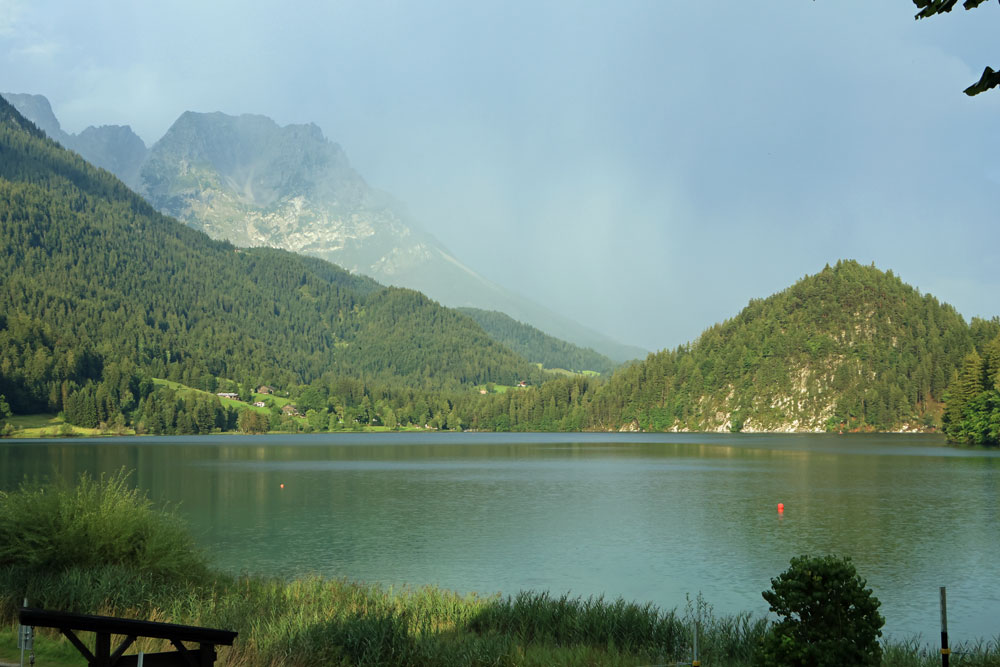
pixel 247 180
pixel 101 289
pixel 101 293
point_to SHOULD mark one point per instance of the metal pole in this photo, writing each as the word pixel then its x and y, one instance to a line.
pixel 694 661
pixel 20 636
pixel 945 651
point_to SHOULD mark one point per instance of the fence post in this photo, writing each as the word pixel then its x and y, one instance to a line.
pixel 694 660
pixel 945 651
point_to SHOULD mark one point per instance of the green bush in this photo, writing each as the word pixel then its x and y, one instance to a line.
pixel 95 524
pixel 827 618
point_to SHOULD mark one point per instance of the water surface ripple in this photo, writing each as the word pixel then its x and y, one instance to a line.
pixel 644 516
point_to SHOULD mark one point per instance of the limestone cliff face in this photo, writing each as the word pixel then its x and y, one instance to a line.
pixel 247 180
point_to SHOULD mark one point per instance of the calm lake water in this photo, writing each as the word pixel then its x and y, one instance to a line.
pixel 647 517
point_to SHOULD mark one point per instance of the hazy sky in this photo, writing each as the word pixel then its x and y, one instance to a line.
pixel 643 167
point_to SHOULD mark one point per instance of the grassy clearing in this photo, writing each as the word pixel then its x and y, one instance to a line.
pixel 51 649
pixel 48 425
pixel 493 388
pixel 185 391
pixel 280 401
pixel 564 371
pixel 101 547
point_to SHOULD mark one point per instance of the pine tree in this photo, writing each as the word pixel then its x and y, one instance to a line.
pixel 967 385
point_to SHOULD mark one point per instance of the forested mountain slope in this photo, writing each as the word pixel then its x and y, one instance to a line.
pixel 537 346
pixel 97 283
pixel 247 180
pixel 113 147
pixel 848 348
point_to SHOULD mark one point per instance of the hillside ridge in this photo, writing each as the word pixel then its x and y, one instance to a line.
pixel 101 290
pixel 250 181
pixel 849 348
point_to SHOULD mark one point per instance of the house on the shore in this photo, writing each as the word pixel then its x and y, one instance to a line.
pixel 264 389
pixel 228 394
pixel 290 410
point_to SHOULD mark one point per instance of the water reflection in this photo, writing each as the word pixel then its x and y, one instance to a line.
pixel 650 517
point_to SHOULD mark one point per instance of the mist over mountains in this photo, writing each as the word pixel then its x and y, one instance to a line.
pixel 113 147
pixel 248 180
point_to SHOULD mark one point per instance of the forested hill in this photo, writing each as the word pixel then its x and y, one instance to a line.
pixel 96 282
pixel 848 348
pixel 537 346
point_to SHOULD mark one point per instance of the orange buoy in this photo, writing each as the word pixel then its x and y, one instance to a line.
pixel 282 486
pixel 781 506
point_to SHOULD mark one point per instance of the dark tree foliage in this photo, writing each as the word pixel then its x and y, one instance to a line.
pixel 972 415
pixel 928 8
pixel 4 410
pixel 826 616
pixel 336 403
pixel 851 348
pixel 100 292
pixel 537 346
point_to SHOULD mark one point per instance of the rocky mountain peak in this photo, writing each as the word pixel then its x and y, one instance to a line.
pixel 37 109
pixel 253 182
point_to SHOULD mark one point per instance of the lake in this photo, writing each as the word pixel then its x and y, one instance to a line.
pixel 643 516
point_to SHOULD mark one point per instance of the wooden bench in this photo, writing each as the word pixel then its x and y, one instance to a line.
pixel 105 626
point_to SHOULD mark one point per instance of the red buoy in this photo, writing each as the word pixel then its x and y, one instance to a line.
pixel 282 486
pixel 781 508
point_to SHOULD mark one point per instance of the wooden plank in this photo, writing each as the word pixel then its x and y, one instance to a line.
pixel 80 646
pixel 102 649
pixel 128 627
pixel 122 648
pixel 183 650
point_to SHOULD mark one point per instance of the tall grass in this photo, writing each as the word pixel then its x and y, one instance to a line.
pixel 96 523
pixel 101 547
pixel 533 617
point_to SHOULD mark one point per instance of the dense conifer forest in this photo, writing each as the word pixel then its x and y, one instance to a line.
pixel 972 415
pixel 537 346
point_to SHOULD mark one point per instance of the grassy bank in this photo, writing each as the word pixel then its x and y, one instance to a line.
pixel 101 547
pixel 331 622
pixel 47 425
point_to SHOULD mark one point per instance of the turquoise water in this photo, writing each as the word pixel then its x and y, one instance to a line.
pixel 647 517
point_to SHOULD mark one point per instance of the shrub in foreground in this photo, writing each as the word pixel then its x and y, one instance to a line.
pixel 827 618
pixel 97 523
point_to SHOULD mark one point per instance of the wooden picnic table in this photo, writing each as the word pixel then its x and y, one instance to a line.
pixel 105 626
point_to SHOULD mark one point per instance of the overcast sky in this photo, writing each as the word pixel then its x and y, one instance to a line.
pixel 643 167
